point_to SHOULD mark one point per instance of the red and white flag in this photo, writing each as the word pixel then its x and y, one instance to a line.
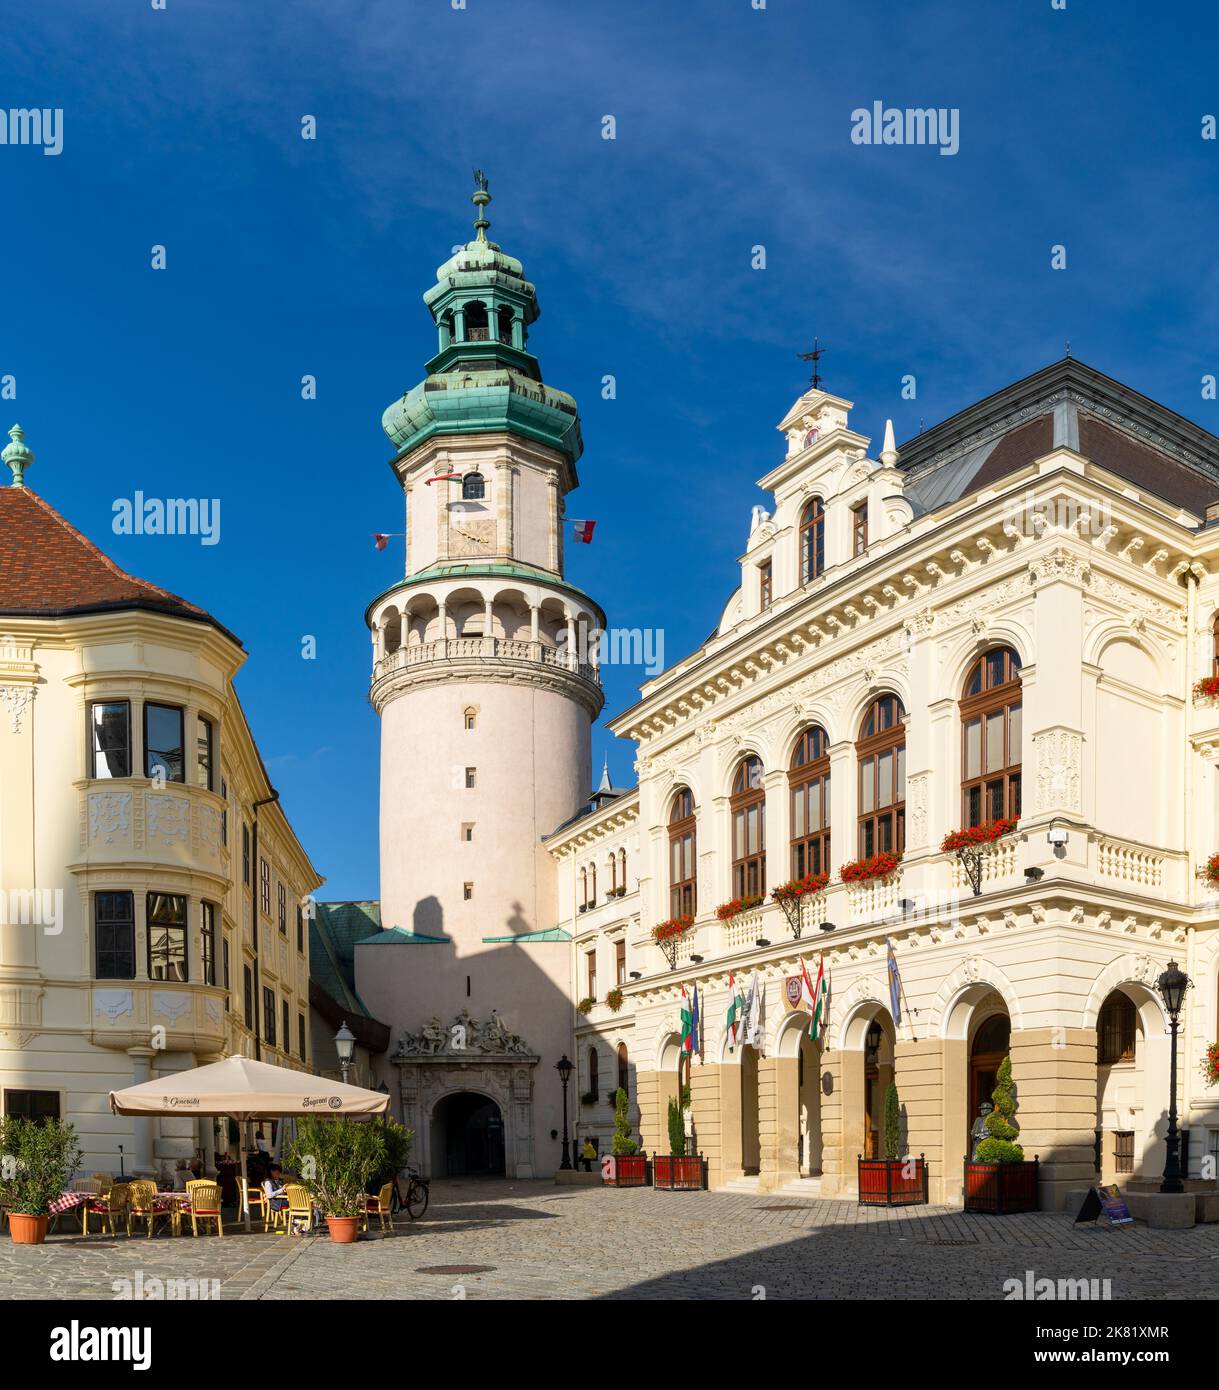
pixel 379 540
pixel 441 477
pixel 584 530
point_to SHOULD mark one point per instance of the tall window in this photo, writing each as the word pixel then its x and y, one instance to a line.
pixel 300 1035
pixel 859 528
pixel 110 739
pixel 281 904
pixel 248 1000
pixel 810 799
pixel 882 778
pixel 286 1019
pixel 583 890
pixel 622 871
pixel 748 809
pixel 683 888
pixel 624 1073
pixel 167 937
pixel 205 738
pixel 245 855
pixel 990 731
pixel 590 962
pixel 163 742
pixel 207 938
pixel 264 885
pixel 473 489
pixel 620 962
pixel 592 885
pixel 224 966
pixel 1115 1030
pixel 812 540
pixel 594 1072
pixel 300 928
pixel 613 866
pixel 268 1016
pixel 114 935
pixel 224 813
pixel 765 584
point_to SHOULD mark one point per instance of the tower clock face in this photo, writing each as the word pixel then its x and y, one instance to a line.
pixel 471 537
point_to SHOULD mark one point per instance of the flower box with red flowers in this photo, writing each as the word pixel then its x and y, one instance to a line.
pixel 674 926
pixel 1211 871
pixel 727 911
pixel 795 889
pixel 1210 1064
pixel 1207 688
pixel 878 869
pixel 614 999
pixel 975 836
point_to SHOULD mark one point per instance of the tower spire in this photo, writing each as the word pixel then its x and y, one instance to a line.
pixel 480 198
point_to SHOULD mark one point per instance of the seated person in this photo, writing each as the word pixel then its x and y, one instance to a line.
pixel 273 1186
pixel 588 1154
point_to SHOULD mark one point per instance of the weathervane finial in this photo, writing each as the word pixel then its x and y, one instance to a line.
pixel 480 198
pixel 814 357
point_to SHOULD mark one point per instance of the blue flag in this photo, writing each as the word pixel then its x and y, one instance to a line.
pixel 895 986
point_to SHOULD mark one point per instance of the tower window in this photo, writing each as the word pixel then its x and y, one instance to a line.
pixel 467 831
pixel 471 777
pixel 470 719
pixel 476 322
pixel 473 488
pixel 859 529
pixel 504 318
pixel 765 585
pixel 467 891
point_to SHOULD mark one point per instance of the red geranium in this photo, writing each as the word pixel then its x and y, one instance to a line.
pixel 1210 1064
pixel 1207 687
pixel 798 888
pixel 674 926
pixel 1211 872
pixel 882 865
pixel 985 834
pixel 727 911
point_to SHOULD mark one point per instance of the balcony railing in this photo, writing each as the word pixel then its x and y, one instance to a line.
pixel 868 901
pixel 1130 863
pixel 997 862
pixel 478 648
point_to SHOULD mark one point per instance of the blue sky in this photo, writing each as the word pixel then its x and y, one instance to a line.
pixel 1079 127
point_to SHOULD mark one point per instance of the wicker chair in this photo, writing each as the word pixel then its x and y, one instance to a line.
pixel 381 1205
pixel 299 1208
pixel 141 1196
pixel 254 1200
pixel 204 1204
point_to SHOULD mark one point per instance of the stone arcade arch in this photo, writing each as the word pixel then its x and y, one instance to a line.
pixel 467 1136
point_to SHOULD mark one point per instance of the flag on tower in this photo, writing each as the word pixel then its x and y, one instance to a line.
pixel 736 1010
pixel 441 477
pixel 379 540
pixel 584 530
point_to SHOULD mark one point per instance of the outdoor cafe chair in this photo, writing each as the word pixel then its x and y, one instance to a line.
pixel 299 1208
pixel 116 1207
pixel 254 1201
pixel 141 1203
pixel 204 1204
pixel 381 1205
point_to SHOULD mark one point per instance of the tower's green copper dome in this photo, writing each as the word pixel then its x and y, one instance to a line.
pixel 483 378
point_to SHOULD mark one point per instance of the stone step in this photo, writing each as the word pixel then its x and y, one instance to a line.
pixel 741 1185
pixel 803 1187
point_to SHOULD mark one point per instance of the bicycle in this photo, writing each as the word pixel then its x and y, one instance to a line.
pixel 416 1200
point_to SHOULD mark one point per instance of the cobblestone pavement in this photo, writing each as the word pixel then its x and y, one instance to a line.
pixel 541 1241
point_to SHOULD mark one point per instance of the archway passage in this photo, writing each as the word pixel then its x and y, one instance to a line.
pixel 751 1143
pixel 467 1137
pixel 990 1046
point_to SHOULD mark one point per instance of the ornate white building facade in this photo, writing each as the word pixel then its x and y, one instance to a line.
pixel 1006 619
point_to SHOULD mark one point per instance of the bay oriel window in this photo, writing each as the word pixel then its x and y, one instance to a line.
pixel 110 739
pixel 881 751
pixel 167 937
pixel 747 807
pixel 812 540
pixel 114 936
pixel 683 888
pixel 990 732
pixel 809 779
pixel 163 743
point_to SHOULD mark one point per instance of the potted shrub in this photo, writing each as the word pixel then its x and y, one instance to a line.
pixel 614 998
pixel 42 1158
pixel 678 1171
pixel 998 1179
pixel 587 1004
pixel 336 1159
pixel 878 869
pixel 397 1141
pixel 629 1166
pixel 895 1180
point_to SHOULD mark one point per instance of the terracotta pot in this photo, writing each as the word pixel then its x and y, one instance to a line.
pixel 27 1230
pixel 344 1230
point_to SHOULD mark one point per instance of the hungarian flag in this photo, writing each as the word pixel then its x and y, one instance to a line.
pixel 689 1021
pixel 736 1008
pixel 440 478
pixel 818 999
pixel 584 530
pixel 379 540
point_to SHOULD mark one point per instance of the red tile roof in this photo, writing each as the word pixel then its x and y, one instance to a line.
pixel 47 567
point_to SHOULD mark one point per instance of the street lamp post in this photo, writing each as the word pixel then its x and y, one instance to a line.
pixel 1172 985
pixel 564 1068
pixel 345 1046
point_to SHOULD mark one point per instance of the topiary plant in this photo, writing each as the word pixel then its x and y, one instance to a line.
pixel 677 1128
pixel 622 1143
pixel 893 1123
pixel 1000 1145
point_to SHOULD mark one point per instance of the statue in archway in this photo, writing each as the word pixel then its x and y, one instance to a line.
pixel 979 1131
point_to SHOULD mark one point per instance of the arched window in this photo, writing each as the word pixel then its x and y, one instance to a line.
pixel 583 889
pixel 882 778
pixel 624 1074
pixel 504 321
pixel 473 489
pixel 810 802
pixel 990 733
pixel 594 1078
pixel 592 885
pixel 476 322
pixel 1115 1030
pixel 748 808
pixel 613 863
pixel 812 540
pixel 683 890
pixel 622 870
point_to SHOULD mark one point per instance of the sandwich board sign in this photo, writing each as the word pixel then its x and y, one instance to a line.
pixel 1109 1200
